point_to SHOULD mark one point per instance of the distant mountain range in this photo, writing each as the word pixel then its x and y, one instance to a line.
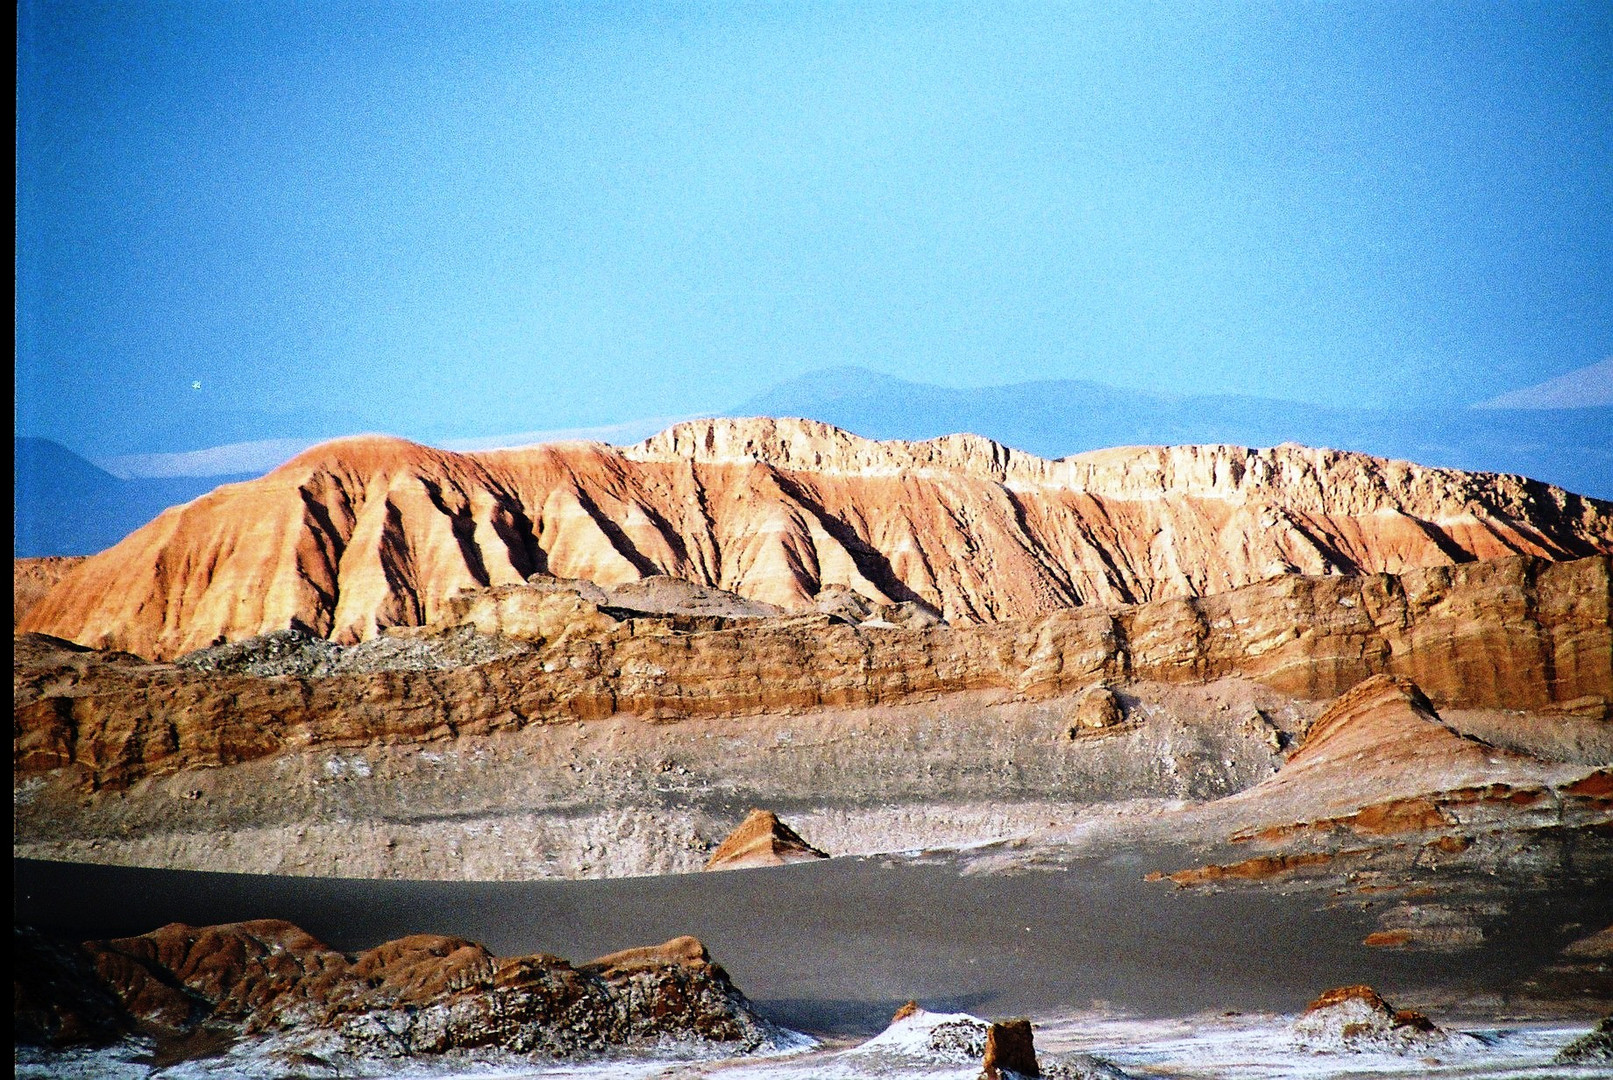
pixel 1572 448
pixel 65 505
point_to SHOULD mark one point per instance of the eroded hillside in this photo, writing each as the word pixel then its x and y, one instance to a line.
pixel 362 534
pixel 539 732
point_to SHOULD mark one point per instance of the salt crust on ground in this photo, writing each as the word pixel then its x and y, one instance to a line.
pixel 1240 1048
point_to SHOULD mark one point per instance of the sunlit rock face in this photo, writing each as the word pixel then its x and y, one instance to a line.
pixel 366 533
pixel 762 840
pixel 1474 635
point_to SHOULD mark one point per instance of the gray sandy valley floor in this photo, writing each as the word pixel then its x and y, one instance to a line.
pixel 834 947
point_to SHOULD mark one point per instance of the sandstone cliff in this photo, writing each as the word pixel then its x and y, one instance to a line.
pixel 1510 634
pixel 362 534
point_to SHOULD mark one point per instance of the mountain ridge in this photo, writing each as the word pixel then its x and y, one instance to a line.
pixel 1059 417
pixel 364 533
pixel 1052 418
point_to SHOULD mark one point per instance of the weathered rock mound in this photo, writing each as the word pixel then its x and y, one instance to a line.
pixel 1380 761
pixel 420 995
pixel 1381 780
pixel 1004 1050
pixel 1355 1019
pixel 762 840
pixel 1515 634
pixel 365 533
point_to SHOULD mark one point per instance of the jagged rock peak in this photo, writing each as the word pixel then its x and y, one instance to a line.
pixel 813 446
pixel 1309 477
pixel 762 840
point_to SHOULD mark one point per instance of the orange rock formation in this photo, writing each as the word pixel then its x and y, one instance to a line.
pixel 1010 1051
pixel 1380 761
pixel 1378 768
pixel 365 533
pixel 1517 634
pixel 762 840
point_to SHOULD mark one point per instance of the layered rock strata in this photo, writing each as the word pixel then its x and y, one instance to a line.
pixel 362 534
pixel 269 983
pixel 1381 781
pixel 762 840
pixel 1510 634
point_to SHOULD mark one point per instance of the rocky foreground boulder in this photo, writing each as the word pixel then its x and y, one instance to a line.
pixel 269 986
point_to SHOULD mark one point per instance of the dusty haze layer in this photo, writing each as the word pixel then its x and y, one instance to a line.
pixel 362 534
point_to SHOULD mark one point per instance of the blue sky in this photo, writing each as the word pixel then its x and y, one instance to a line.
pixel 449 221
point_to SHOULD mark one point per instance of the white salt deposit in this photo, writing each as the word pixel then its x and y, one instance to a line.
pixel 924 1046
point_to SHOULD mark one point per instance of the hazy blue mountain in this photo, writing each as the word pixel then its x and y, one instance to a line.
pixel 64 505
pixel 1572 448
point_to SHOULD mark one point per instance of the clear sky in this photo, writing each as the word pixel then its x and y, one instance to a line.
pixel 450 220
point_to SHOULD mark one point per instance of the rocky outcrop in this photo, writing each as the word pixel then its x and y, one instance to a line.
pixel 1379 762
pixel 1010 1051
pixel 1098 709
pixel 419 996
pixel 58 1000
pixel 1355 1019
pixel 762 840
pixel 362 534
pixel 942 1041
pixel 1515 634
pixel 1381 780
pixel 1259 868
pixel 917 1033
